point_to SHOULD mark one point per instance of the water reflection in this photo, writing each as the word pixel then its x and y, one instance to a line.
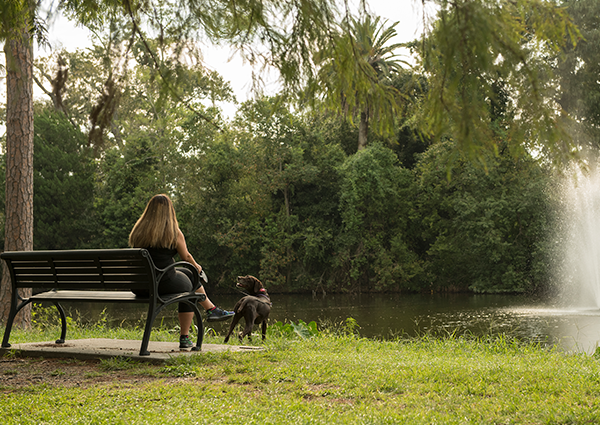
pixel 390 315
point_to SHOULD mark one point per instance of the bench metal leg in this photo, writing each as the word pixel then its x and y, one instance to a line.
pixel 13 314
pixel 14 309
pixel 200 325
pixel 152 312
pixel 63 321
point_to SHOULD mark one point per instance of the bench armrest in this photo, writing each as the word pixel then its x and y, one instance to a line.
pixel 196 279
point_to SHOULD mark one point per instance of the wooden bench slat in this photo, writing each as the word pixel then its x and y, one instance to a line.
pixel 84 278
pixel 90 282
pixel 81 272
pixel 74 274
pixel 90 296
pixel 97 296
pixel 80 254
pixel 105 270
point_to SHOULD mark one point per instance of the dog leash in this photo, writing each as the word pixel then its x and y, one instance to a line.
pixel 240 291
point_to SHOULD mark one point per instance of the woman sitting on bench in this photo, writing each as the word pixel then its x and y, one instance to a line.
pixel 157 230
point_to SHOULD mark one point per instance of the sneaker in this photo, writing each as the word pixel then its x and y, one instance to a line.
pixel 217 314
pixel 185 342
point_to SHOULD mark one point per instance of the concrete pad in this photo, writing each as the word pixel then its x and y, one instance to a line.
pixel 101 348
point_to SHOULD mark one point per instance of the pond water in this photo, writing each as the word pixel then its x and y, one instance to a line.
pixel 387 316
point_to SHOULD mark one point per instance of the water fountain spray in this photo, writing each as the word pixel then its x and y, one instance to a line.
pixel 578 239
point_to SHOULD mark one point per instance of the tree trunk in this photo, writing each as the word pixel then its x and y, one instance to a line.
pixel 19 160
pixel 288 251
pixel 363 130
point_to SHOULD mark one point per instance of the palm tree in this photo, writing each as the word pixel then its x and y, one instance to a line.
pixel 356 74
pixel 379 63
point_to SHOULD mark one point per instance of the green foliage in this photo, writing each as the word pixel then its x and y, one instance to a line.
pixel 46 318
pixel 475 47
pixel 17 14
pixel 482 231
pixel 371 249
pixel 284 195
pixel 356 73
pixel 129 179
pixel 156 144
pixel 293 330
pixel 290 30
pixel 578 92
pixel 351 326
pixel 64 185
pixel 269 200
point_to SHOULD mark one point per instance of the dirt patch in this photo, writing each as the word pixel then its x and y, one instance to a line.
pixel 17 373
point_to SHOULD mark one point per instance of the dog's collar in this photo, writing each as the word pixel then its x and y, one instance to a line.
pixel 263 297
pixel 262 293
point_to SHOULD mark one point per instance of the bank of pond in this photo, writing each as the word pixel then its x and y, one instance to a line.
pixel 390 316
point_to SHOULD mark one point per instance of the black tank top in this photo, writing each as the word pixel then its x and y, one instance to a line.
pixel 162 257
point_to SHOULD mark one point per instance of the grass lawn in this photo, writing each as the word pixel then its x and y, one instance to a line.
pixel 332 377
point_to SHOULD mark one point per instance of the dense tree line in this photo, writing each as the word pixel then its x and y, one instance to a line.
pixel 277 195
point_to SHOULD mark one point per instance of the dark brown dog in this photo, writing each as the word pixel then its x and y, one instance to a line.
pixel 254 308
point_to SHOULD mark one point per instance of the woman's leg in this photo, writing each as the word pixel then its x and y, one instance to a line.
pixel 206 304
pixel 181 282
pixel 185 322
pixel 215 314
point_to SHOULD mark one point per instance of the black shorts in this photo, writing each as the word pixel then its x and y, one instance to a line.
pixel 175 283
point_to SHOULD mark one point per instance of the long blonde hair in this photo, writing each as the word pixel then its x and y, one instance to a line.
pixel 157 227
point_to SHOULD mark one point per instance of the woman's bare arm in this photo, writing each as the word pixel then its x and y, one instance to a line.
pixel 183 252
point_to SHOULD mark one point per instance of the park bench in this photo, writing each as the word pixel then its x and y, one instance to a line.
pixel 95 275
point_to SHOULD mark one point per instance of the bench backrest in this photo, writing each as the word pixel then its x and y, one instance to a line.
pixel 92 269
